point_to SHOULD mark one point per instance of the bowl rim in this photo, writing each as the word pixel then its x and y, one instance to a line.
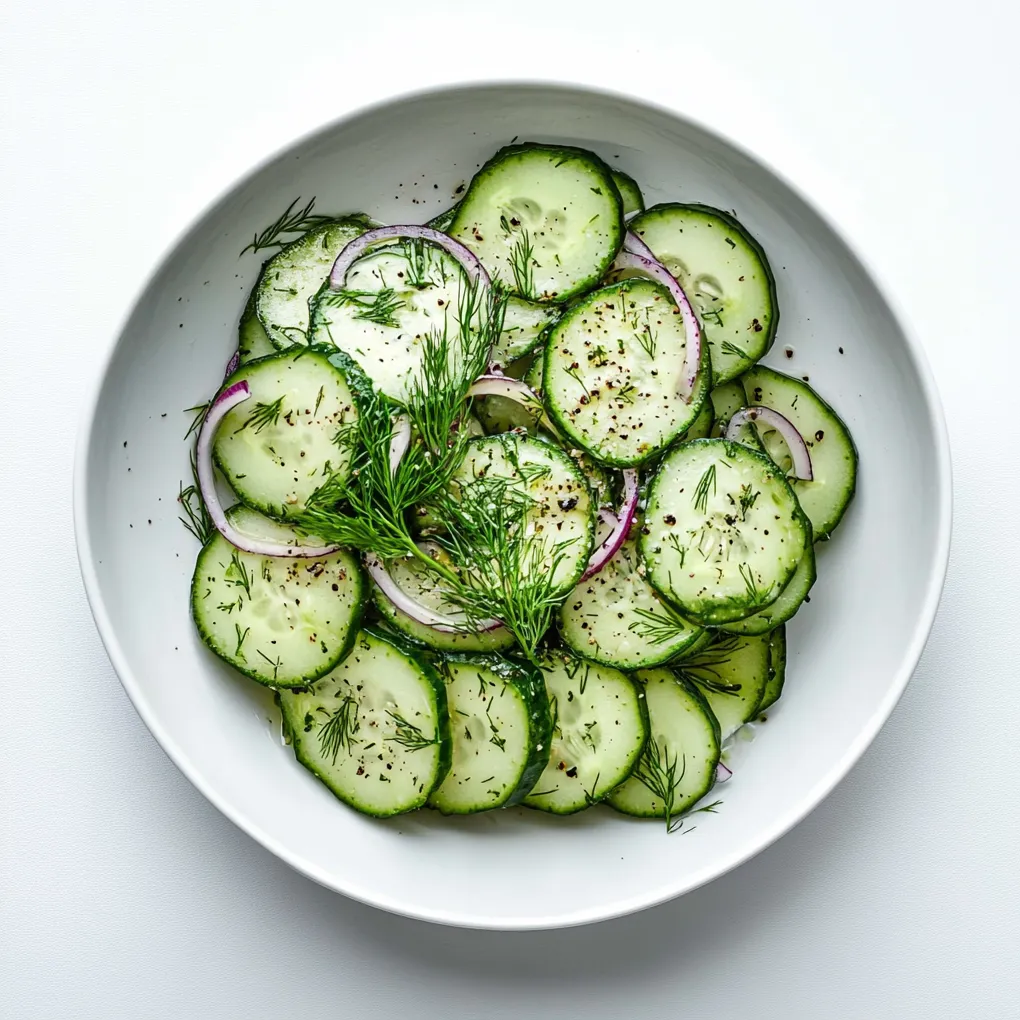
pixel 721 865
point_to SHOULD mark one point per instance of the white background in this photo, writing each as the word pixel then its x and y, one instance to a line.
pixel 123 894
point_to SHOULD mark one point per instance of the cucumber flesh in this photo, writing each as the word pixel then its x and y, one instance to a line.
pixel 617 618
pixel 544 220
pixel 678 765
pixel 630 193
pixel 732 674
pixel 394 301
pixel 612 366
pixel 293 276
pixel 833 454
pixel 791 598
pixel 777 669
pixel 282 621
pixel 723 531
pixel 278 446
pixel 599 730
pixel 375 730
pixel 524 324
pixel 499 728
pixel 724 273
pixel 252 340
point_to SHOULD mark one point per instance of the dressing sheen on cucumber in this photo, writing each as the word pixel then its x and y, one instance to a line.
pixel 510 526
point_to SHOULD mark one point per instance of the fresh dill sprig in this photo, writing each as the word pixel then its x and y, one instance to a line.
pixel 733 350
pixel 262 415
pixel 703 668
pixel 659 775
pixel 339 730
pixel 199 411
pixel 522 264
pixel 241 578
pixel 748 497
pixel 378 306
pixel 196 516
pixel 290 221
pixel 408 735
pixel 657 628
pixel 701 492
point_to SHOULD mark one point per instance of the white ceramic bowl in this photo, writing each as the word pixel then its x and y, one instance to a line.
pixel 852 649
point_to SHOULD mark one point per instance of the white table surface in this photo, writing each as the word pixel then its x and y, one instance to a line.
pixel 123 894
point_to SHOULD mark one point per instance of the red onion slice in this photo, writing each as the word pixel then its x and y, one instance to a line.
pixel 628 259
pixel 493 385
pixel 413 608
pixel 225 402
pixel 794 440
pixel 400 440
pixel 722 773
pixel 361 244
pixel 634 244
pixel 621 524
pixel 232 365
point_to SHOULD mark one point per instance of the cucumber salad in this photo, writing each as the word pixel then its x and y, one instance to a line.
pixel 515 514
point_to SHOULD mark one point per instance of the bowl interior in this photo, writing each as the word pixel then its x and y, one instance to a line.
pixel 851 649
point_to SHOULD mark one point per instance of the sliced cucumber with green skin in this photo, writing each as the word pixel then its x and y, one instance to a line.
pixel 444 219
pixel 536 373
pixel 394 299
pixel 282 621
pixel 678 765
pixel 252 340
pixel 630 193
pixel 524 324
pixel 617 618
pixel 613 366
pixel 724 273
pixel 777 668
pixel 546 221
pixel 375 730
pixel 294 275
pixel 499 727
pixel 599 731
pixel 701 427
pixel 562 520
pixel 723 531
pixel 278 446
pixel 725 401
pixel 833 454
pixel 785 607
pixel 411 576
pixel 732 673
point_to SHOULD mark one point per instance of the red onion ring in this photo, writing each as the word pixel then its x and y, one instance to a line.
pixel 722 773
pixel 360 245
pixel 799 453
pixel 634 244
pixel 621 524
pixel 225 402
pixel 628 259
pixel 414 609
pixel 493 385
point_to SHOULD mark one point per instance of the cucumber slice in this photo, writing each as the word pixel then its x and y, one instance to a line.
pixel 617 618
pixel 499 726
pixel 723 531
pixel 725 400
pixel 444 219
pixel 294 275
pixel 524 324
pixel 278 446
pixel 394 299
pixel 777 668
pixel 599 730
pixel 547 221
pixel 791 598
pixel 375 730
pixel 701 427
pixel 630 193
pixel 252 340
pixel 412 577
pixel 724 273
pixel 281 621
pixel 732 673
pixel 535 375
pixel 677 767
pixel 612 364
pixel 833 454
pixel 561 521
